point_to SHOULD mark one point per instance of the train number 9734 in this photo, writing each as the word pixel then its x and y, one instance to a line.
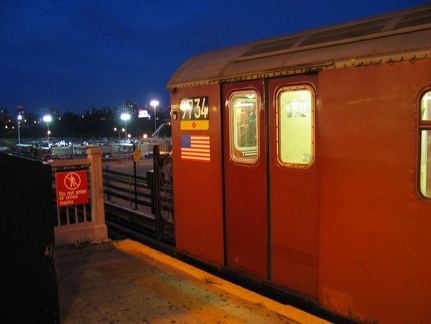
pixel 195 108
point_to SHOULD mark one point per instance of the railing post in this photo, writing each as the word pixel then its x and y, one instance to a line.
pixel 97 197
pixel 150 185
pixel 158 162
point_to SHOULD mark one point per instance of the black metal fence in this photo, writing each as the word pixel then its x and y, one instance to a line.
pixel 150 195
pixel 122 187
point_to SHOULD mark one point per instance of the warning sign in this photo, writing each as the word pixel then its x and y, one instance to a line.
pixel 72 188
pixel 136 155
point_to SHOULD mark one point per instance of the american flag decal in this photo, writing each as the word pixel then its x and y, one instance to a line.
pixel 195 147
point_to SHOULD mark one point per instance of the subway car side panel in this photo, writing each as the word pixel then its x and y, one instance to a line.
pixel 294 199
pixel 245 180
pixel 198 184
pixel 375 243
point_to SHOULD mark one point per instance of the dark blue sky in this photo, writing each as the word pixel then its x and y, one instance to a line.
pixel 73 55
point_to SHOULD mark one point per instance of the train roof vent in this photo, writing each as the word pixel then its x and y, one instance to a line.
pixel 346 32
pixel 271 46
pixel 414 19
pixel 328 35
pixel 384 25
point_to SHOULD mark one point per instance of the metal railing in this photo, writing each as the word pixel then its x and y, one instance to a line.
pixel 152 195
pixel 149 196
pixel 163 194
pixel 121 186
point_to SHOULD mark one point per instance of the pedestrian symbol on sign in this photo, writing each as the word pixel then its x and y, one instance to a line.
pixel 72 181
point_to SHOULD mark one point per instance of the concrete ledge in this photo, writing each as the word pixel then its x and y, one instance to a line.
pixel 79 233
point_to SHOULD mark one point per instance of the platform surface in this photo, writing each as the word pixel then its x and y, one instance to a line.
pixel 127 282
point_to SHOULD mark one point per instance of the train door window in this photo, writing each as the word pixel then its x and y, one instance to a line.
pixel 295 126
pixel 425 145
pixel 244 126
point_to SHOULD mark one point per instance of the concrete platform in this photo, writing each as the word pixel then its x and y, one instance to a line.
pixel 127 282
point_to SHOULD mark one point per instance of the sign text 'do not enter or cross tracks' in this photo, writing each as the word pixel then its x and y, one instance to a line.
pixel 71 187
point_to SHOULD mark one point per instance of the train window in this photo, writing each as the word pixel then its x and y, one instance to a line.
pixel 295 123
pixel 425 145
pixel 244 126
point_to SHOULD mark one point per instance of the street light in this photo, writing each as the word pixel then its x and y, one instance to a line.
pixel 19 118
pixel 125 117
pixel 154 103
pixel 47 119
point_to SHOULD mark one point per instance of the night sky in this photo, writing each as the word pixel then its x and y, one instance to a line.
pixel 73 55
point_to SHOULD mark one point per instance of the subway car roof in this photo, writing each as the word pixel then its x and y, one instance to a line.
pixel 397 36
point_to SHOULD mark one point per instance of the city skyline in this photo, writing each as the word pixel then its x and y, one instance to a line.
pixel 78 55
pixel 105 122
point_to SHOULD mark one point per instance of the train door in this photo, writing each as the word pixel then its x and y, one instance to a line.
pixel 294 183
pixel 272 181
pixel 245 177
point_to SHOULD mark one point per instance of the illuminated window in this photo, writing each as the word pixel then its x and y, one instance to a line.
pixel 425 145
pixel 244 128
pixel 295 121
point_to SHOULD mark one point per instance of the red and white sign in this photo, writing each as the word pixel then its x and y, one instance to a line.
pixel 72 188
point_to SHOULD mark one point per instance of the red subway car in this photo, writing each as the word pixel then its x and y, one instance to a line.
pixel 304 161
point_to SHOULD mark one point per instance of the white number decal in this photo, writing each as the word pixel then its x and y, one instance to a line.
pixel 194 108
